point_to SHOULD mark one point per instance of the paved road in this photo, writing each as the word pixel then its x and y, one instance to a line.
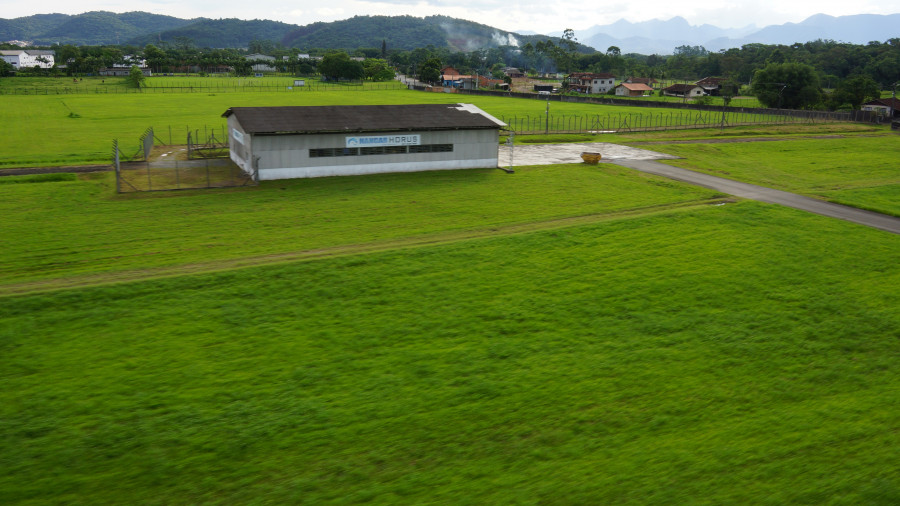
pixel 763 194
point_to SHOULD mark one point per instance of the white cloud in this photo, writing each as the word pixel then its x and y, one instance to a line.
pixel 330 12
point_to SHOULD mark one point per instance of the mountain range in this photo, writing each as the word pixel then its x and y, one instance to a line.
pixel 408 32
pixel 661 37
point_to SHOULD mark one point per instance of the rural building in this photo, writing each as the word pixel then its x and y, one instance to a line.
pixel 587 82
pixel 883 106
pixel 475 82
pixel 513 72
pixel 649 81
pixel 684 90
pixel 261 62
pixel 316 141
pixel 117 70
pixel 632 90
pixel 711 85
pixel 28 58
pixel 451 77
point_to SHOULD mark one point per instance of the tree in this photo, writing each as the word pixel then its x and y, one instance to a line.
pixel 787 85
pixel 156 57
pixel 854 92
pixel 564 51
pixel 613 51
pixel 67 54
pixel 135 77
pixel 430 71
pixel 338 65
pixel 529 53
pixel 6 68
pixel 377 69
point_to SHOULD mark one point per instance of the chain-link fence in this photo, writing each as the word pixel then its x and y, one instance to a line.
pixel 646 121
pixel 158 167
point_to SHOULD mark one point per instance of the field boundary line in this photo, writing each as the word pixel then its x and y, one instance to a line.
pixel 213 266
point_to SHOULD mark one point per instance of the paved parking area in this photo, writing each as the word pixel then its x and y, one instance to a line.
pixel 547 154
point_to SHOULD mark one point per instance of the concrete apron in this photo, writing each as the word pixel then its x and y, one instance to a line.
pixel 548 154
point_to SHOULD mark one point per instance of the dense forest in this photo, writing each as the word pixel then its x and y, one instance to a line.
pixel 89 28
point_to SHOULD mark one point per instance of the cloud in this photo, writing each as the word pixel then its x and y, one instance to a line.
pixel 330 12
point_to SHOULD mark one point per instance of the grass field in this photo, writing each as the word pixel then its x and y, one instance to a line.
pixel 738 353
pixel 77 129
pixel 565 334
pixel 85 229
pixel 860 171
pixel 178 84
pixel 739 101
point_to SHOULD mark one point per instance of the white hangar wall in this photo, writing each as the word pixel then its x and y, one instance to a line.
pixel 295 155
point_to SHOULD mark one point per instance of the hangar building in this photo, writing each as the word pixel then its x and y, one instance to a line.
pixel 316 141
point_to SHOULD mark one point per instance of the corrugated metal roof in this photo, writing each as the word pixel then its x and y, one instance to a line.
pixel 636 86
pixel 361 118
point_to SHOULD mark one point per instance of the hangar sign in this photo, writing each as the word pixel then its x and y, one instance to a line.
pixel 382 140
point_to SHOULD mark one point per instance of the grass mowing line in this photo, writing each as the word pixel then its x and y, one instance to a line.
pixel 108 278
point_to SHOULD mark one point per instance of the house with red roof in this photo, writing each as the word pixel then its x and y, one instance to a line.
pixel 633 90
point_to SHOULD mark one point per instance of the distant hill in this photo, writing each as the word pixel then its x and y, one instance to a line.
pixel 28 28
pixel 856 29
pixel 662 37
pixel 220 32
pixel 89 28
pixel 398 32
pixel 408 32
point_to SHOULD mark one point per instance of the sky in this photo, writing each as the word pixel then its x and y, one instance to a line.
pixel 539 16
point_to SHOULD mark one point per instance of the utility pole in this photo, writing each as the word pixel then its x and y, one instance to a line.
pixel 511 143
pixel 725 100
pixel 547 120
pixel 893 99
pixel 783 86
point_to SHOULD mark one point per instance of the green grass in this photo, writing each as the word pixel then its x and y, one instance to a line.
pixel 39 178
pixel 858 171
pixel 659 97
pixel 566 334
pixel 176 84
pixel 76 129
pixel 736 354
pixel 85 229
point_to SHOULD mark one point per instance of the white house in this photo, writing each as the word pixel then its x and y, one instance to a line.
pixel 28 58
pixel 261 67
pixel 684 90
pixel 883 106
pixel 589 82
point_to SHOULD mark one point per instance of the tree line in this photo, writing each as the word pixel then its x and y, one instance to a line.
pixel 820 73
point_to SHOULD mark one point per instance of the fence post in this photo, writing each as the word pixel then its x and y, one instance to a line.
pixel 117 165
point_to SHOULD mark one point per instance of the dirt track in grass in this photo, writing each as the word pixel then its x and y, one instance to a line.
pixel 106 278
